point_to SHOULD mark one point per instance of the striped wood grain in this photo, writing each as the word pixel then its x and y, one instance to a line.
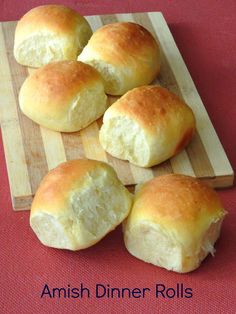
pixel 32 150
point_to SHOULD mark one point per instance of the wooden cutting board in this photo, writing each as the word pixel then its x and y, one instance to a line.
pixel 31 150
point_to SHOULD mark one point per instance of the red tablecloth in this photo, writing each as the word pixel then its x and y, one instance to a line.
pixel 205 34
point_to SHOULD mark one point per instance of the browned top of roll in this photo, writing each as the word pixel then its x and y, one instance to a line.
pixel 149 106
pixel 57 83
pixel 177 201
pixel 57 18
pixel 53 191
pixel 122 39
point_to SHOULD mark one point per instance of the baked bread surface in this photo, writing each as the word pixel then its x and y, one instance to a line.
pixel 77 204
pixel 174 222
pixel 146 126
pixel 125 54
pixel 63 96
pixel 50 33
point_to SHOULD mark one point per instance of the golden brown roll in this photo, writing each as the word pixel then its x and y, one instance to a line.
pixel 50 33
pixel 125 54
pixel 63 96
pixel 146 126
pixel 77 204
pixel 174 223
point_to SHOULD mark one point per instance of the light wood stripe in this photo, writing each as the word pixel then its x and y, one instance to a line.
pixel 16 163
pixel 181 164
pixel 141 174
pixel 95 22
pixel 206 131
pixel 11 132
pixel 53 146
pixel 90 140
pixel 125 17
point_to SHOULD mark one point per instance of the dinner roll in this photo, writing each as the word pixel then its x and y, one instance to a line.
pixel 125 54
pixel 146 126
pixel 63 96
pixel 50 33
pixel 174 223
pixel 77 204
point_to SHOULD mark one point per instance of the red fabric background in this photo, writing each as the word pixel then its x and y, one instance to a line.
pixel 205 34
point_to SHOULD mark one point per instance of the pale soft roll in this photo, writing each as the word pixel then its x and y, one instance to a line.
pixel 125 54
pixel 77 204
pixel 50 33
pixel 63 96
pixel 146 126
pixel 174 223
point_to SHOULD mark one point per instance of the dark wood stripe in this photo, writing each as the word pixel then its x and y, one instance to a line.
pixel 108 18
pixel 163 168
pixel 22 202
pixel 122 168
pixel 112 99
pixel 99 122
pixel 221 182
pixel 199 159
pixel 31 136
pixel 73 145
pixel 195 151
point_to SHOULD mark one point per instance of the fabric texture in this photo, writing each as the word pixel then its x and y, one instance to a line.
pixel 205 34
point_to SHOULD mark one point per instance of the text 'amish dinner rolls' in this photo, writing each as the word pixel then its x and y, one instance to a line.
pixel 174 222
pixel 125 54
pixel 63 96
pixel 146 126
pixel 77 204
pixel 50 33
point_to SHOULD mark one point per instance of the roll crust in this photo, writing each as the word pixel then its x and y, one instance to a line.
pixel 63 96
pixel 50 33
pixel 176 198
pixel 77 204
pixel 125 53
pixel 123 39
pixel 182 212
pixel 160 125
pixel 51 196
